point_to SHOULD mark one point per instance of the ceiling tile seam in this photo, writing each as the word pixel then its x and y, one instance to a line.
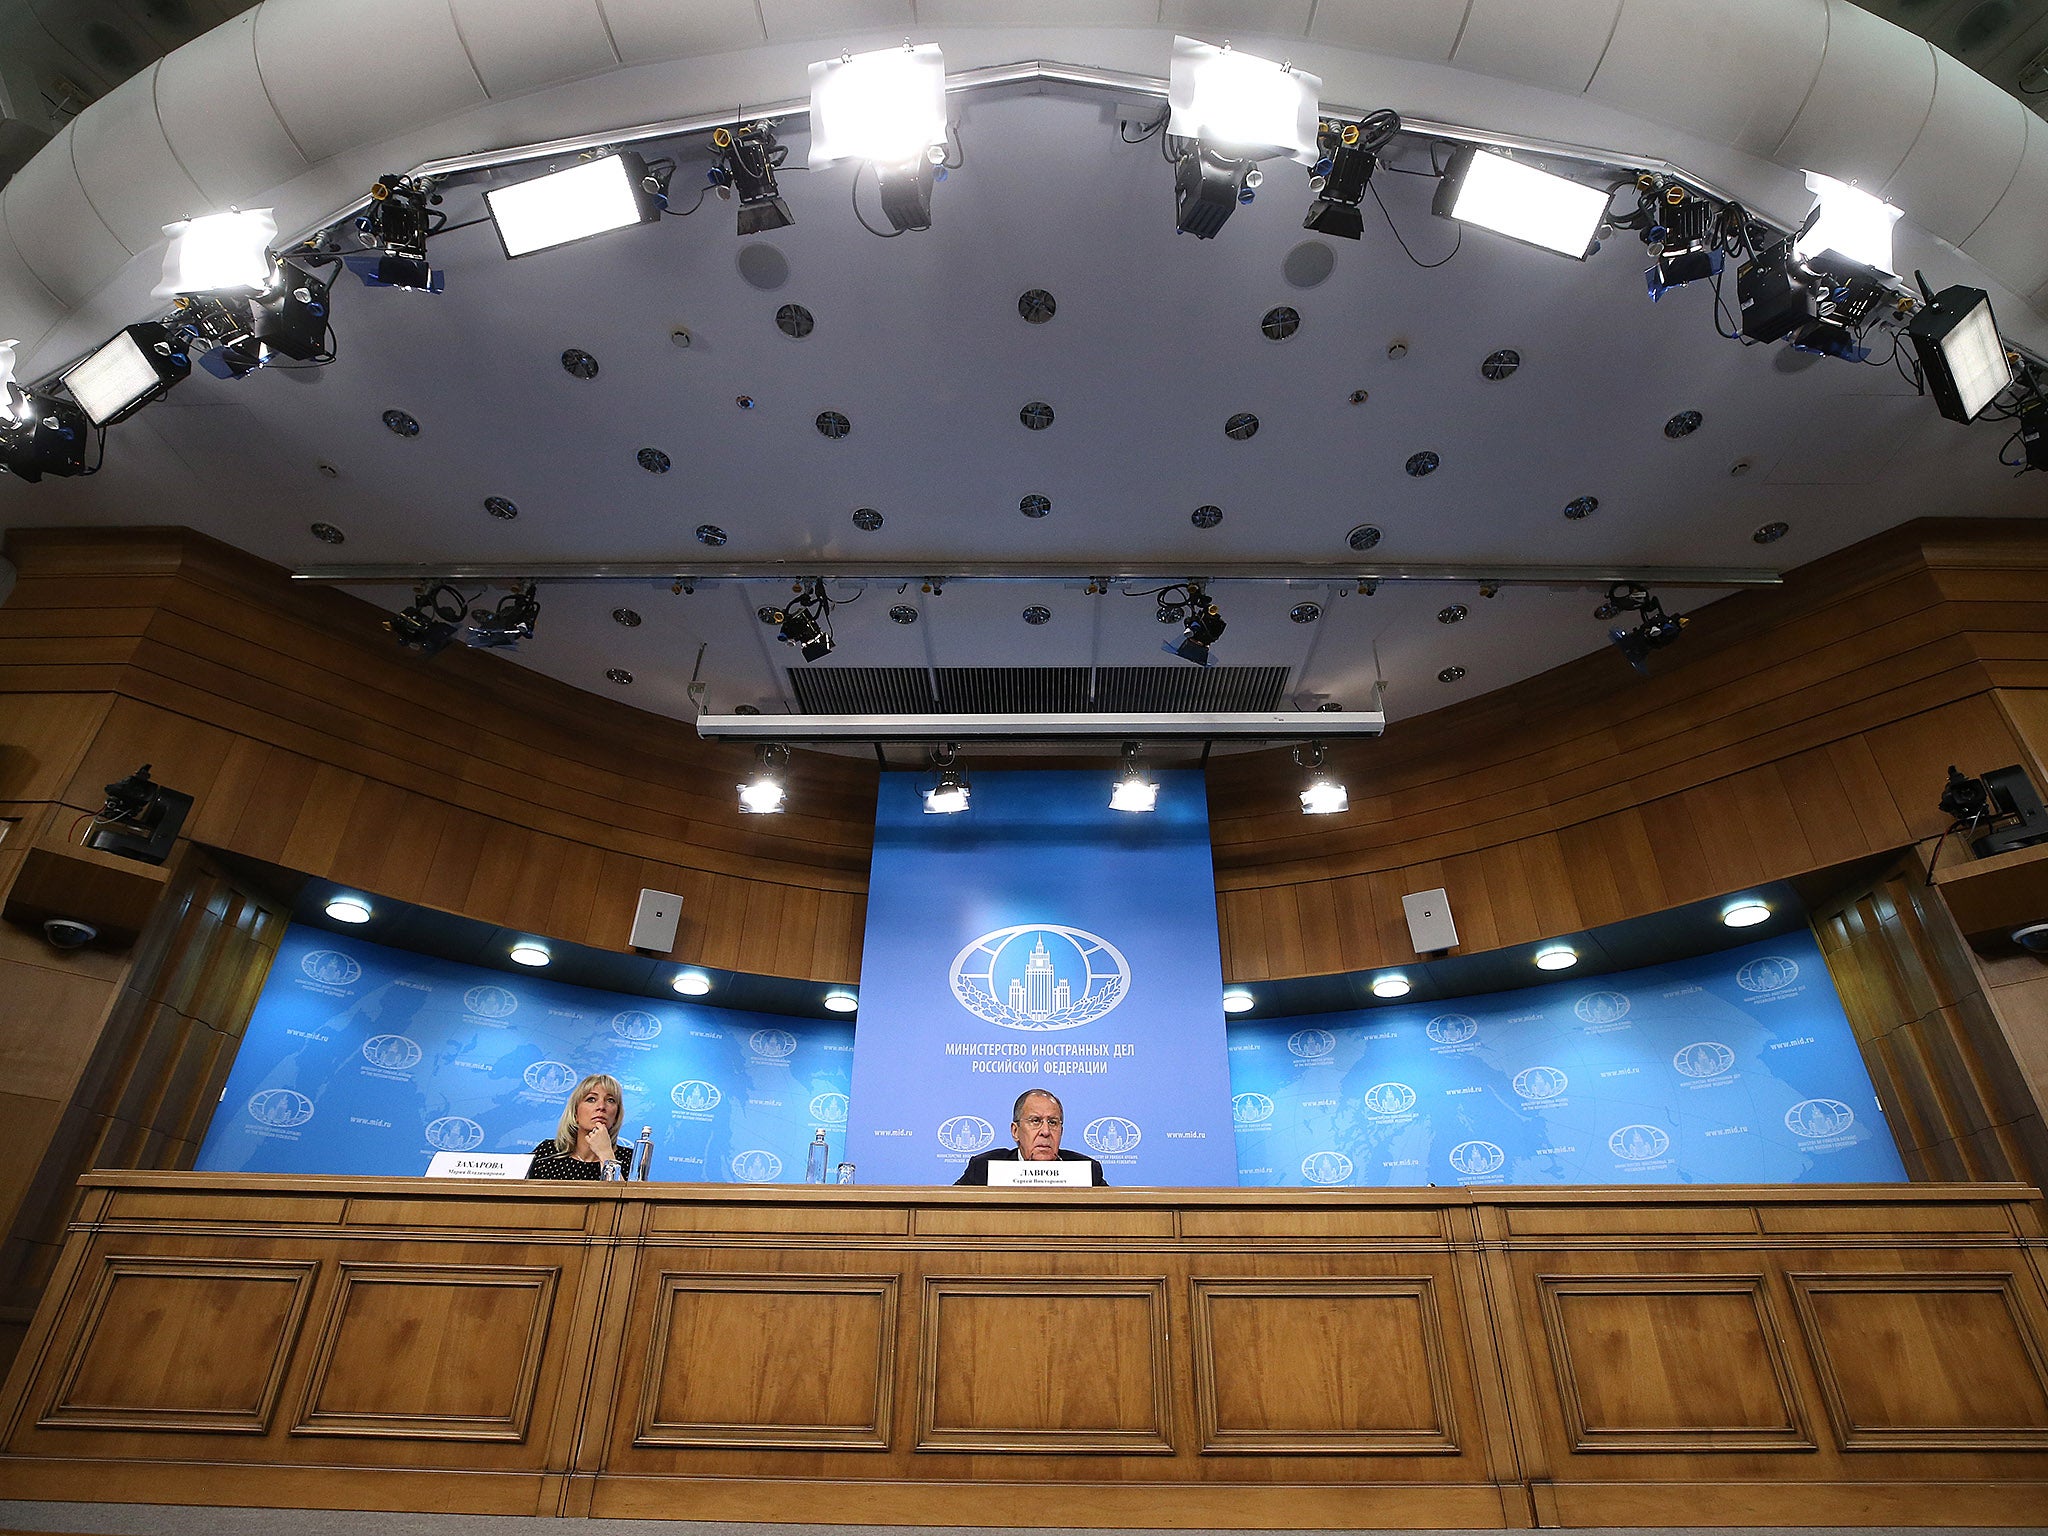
pixel 604 20
pixel 1827 38
pixel 57 305
pixel 1308 28
pixel 269 98
pixel 156 76
pixel 1925 118
pixel 71 153
pixel 455 21
pixel 1464 21
pixel 2035 124
pixel 1613 28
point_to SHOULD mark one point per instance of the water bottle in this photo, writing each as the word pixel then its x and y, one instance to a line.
pixel 814 1165
pixel 643 1152
pixel 614 1171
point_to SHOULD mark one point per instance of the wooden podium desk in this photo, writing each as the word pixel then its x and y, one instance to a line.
pixel 1853 1355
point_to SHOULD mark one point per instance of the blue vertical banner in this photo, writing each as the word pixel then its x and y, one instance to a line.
pixel 1732 1068
pixel 1041 940
pixel 365 1059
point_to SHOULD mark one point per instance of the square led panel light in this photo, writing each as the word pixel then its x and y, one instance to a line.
pixel 589 199
pixel 888 107
pixel 1241 105
pixel 1521 202
pixel 125 374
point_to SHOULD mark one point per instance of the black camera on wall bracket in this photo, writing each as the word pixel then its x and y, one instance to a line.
pixel 1996 813
pixel 140 820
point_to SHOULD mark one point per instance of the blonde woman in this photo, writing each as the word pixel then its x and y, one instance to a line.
pixel 587 1139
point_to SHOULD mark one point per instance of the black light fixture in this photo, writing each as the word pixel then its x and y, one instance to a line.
pixel 806 622
pixel 1348 152
pixel 948 792
pixel 233 337
pixel 1207 187
pixel 140 819
pixel 1677 225
pixel 1654 630
pixel 426 624
pixel 1956 339
pixel 1227 112
pixel 393 230
pixel 763 794
pixel 2033 432
pixel 1808 288
pixel 748 157
pixel 1190 606
pixel 41 435
pixel 1996 813
pixel 503 627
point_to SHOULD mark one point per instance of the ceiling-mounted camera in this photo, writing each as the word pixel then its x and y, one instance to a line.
pixel 68 933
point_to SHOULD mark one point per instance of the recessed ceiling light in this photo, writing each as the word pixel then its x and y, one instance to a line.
pixel 1360 396
pixel 619 675
pixel 1364 536
pixel 1420 464
pixel 1036 614
pixel 653 460
pixel 1036 306
pixel 710 533
pixel 1396 350
pixel 1237 1000
pixel 679 335
pixel 1580 507
pixel 1206 516
pixel 1393 984
pixel 1556 957
pixel 526 952
pixel 1684 424
pixel 691 983
pixel 1770 533
pixel 833 424
pixel 579 364
pixel 1305 613
pixel 401 424
pixel 1034 505
pixel 1452 614
pixel 327 533
pixel 1451 674
pixel 499 507
pixel 327 471
pixel 625 616
pixel 795 322
pixel 1745 912
pixel 1279 323
pixel 841 1002
pixel 1036 415
pixel 1241 426
pixel 1741 467
pixel 348 909
pixel 867 519
pixel 745 402
pixel 1500 365
pixel 903 613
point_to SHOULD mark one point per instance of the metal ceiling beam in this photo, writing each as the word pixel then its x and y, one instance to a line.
pixel 1263 725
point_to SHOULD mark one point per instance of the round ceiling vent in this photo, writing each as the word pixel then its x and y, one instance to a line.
pixel 1036 306
pixel 1451 674
pixel 1581 507
pixel 653 460
pixel 579 364
pixel 1420 464
pixel 626 617
pixel 619 675
pixel 1365 536
pixel 1279 323
pixel 1770 533
pixel 1034 505
pixel 763 266
pixel 327 533
pixel 1242 426
pixel 1206 516
pixel 402 424
pixel 833 424
pixel 1037 415
pixel 1452 614
pixel 501 507
pixel 1037 615
pixel 1500 365
pixel 1305 613
pixel 867 519
pixel 710 533
pixel 1684 424
pixel 795 322
pixel 903 613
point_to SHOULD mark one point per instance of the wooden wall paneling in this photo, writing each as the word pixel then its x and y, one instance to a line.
pixel 760 926
pixel 1868 797
pixel 1914 755
pixel 1474 882
pixel 452 873
pixel 615 897
pixel 1677 850
pixel 323 819
pixel 387 842
pixel 1281 918
pixel 1358 931
pixel 270 809
pixel 1241 934
pixel 842 926
pixel 2026 715
pixel 797 929
pixel 574 898
pixel 1320 927
pixel 45 738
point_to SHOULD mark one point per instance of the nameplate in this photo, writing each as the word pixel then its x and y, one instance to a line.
pixel 480 1165
pixel 1039 1174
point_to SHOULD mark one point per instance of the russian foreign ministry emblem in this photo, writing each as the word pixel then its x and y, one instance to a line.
pixel 551 1079
pixel 1451 1028
pixel 755 1166
pixel 1639 1143
pixel 829 1109
pixel 1311 1044
pixel 1389 1098
pixel 1767 973
pixel 775 1044
pixel 281 1109
pixel 454 1133
pixel 488 1003
pixel 330 967
pixel 1111 1134
pixel 635 1025
pixel 695 1096
pixel 1040 976
pixel 1326 1167
pixel 1476 1159
pixel 1703 1058
pixel 1250 1109
pixel 1602 1008
pixel 1817 1119
pixel 1541 1082
pixel 394 1053
pixel 966 1133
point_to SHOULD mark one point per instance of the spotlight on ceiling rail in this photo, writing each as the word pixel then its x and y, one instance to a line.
pixel 1202 624
pixel 887 108
pixel 1520 201
pixel 763 794
pixel 503 627
pixel 592 197
pixel 39 434
pixel 428 623
pixel 219 253
pixel 748 157
pixel 142 363
pixel 1323 794
pixel 947 794
pixel 1227 112
pixel 1133 791
pixel 393 232
pixel 1956 338
pixel 1346 154
pixel 1655 630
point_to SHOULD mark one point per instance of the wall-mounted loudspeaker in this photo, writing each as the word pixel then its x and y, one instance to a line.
pixel 1429 921
pixel 654 925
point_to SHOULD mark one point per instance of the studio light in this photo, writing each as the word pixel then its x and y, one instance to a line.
pixel 588 199
pixel 1521 202
pixel 503 627
pixel 527 952
pixel 887 108
pixel 1556 957
pixel 221 253
pixel 763 794
pixel 1347 153
pixel 348 909
pixel 1201 620
pixel 1207 187
pixel 242 335
pixel 691 983
pixel 1745 912
pixel 947 794
pixel 748 157
pixel 1133 791
pixel 1393 984
pixel 2034 433
pixel 1227 112
pixel 1677 227
pixel 1653 632
pixel 139 365
pixel 394 229
pixel 1961 357
pixel 842 1002
pixel 1323 795
pixel 1237 1000
pixel 806 623
pixel 1847 229
pixel 39 434
pixel 426 624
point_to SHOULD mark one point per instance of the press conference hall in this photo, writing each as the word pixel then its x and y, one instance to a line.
pixel 1226 765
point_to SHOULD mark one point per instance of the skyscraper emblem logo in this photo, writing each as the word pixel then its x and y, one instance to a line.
pixel 1326 1167
pixel 755 1166
pixel 1476 1159
pixel 774 1044
pixel 1040 976
pixel 1767 973
pixel 1112 1134
pixel 635 1024
pixel 1389 1098
pixel 454 1133
pixel 695 1096
pixel 1703 1058
pixel 966 1133
pixel 829 1109
pixel 1602 1007
pixel 1541 1082
pixel 282 1109
pixel 1451 1028
pixel 490 1002
pixel 551 1079
pixel 394 1053
pixel 1639 1143
pixel 1814 1119
pixel 1311 1044
pixel 330 967
pixel 1250 1109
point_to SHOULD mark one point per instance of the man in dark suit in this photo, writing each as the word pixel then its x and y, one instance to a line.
pixel 1035 1123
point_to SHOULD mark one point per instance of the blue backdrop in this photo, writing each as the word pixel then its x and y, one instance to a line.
pixel 362 1059
pixel 1735 1068
pixel 1042 940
